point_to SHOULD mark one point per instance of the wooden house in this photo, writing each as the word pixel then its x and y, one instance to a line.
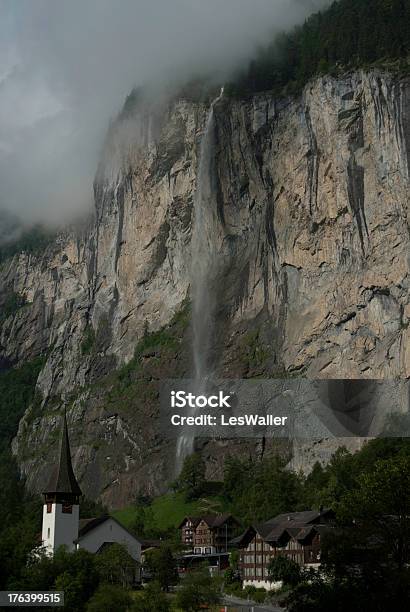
pixel 296 535
pixel 208 534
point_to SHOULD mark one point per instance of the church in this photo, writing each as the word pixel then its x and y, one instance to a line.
pixel 62 525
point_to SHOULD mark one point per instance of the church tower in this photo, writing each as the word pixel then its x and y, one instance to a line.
pixel 61 501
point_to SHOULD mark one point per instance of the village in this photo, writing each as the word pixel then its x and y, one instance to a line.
pixel 219 544
pixel 233 559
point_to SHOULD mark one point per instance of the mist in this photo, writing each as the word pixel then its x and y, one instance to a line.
pixel 66 68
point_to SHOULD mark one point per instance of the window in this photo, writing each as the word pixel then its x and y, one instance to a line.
pixel 48 533
pixel 49 507
pixel 67 508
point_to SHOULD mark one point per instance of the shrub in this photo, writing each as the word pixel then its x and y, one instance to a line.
pixel 152 599
pixel 110 597
pixel 199 590
pixel 286 570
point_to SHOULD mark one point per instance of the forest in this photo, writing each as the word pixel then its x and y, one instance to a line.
pixel 349 34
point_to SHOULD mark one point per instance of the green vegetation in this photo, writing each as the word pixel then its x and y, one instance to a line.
pixel 109 597
pixel 258 490
pixel 151 599
pixel 254 490
pixel 31 241
pixel 88 343
pixel 256 353
pixel 191 481
pixel 137 384
pixel 164 513
pixel 286 570
pixel 233 586
pixel 254 593
pixel 19 512
pixel 365 562
pixel 82 576
pixel 162 341
pixel 17 387
pixel 328 485
pixel 349 34
pixel 161 564
pixel 13 303
pixel 198 591
pixel 116 566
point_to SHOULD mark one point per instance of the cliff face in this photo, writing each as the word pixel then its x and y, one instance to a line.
pixel 310 232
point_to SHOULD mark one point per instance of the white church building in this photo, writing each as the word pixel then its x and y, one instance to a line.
pixel 61 514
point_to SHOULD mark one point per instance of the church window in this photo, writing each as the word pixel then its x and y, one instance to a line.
pixel 49 507
pixel 67 508
pixel 48 533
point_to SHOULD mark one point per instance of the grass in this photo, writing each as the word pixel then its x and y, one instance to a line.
pixel 169 510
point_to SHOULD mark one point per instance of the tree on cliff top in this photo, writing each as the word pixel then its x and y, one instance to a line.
pixel 348 34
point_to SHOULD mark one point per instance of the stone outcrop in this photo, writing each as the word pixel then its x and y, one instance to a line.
pixel 311 196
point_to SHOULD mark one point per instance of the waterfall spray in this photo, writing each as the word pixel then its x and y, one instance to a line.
pixel 203 268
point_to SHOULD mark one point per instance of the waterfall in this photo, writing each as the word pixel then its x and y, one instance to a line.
pixel 203 269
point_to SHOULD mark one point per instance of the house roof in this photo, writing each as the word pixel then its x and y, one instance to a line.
pixel 216 520
pixel 307 516
pixel 269 532
pixel 298 525
pixel 243 538
pixel 212 520
pixel 87 525
pixel 62 478
pixel 194 519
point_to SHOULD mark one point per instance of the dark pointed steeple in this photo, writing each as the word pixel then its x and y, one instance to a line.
pixel 63 483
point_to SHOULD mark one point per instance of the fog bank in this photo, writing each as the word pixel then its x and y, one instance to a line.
pixel 66 68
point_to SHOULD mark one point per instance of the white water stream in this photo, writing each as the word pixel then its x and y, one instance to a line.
pixel 203 268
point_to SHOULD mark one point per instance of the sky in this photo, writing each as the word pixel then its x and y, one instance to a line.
pixel 66 67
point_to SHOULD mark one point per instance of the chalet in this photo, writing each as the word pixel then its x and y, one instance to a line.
pixel 187 527
pixel 208 534
pixel 296 535
pixel 62 525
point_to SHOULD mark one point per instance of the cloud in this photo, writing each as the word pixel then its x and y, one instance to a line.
pixel 66 68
